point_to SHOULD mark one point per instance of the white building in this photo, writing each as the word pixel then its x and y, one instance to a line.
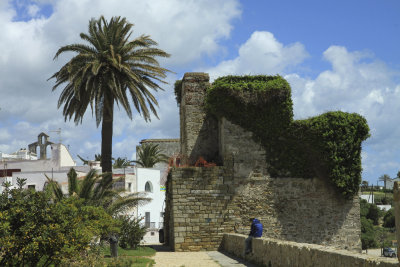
pixel 21 154
pixel 148 181
pixel 390 183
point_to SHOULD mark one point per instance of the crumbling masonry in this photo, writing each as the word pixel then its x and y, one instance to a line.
pixel 203 203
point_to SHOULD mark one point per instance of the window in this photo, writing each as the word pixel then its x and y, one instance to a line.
pixel 148 187
pixel 130 187
pixel 147 219
pixel 31 186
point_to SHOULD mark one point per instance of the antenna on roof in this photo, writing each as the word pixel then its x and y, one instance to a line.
pixel 59 134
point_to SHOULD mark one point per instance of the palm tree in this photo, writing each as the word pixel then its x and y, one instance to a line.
pixel 107 69
pixel 121 163
pixel 149 155
pixel 97 157
pixel 97 190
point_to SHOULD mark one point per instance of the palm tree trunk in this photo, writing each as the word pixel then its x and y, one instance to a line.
pixel 106 134
pixel 106 153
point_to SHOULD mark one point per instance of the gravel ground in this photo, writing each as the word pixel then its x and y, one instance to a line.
pixel 187 259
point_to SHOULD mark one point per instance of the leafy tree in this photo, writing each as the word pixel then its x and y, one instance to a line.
pixel 364 208
pixel 105 68
pixel 370 211
pixel 35 231
pixel 149 155
pixel 367 234
pixel 121 163
pixel 132 232
pixel 398 174
pixel 374 213
pixel 389 219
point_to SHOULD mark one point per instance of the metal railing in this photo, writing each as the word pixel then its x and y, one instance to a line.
pixel 150 225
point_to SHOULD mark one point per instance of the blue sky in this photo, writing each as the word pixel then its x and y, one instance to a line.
pixel 337 55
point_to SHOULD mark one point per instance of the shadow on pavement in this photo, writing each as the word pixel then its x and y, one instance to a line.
pixel 228 260
pixel 159 248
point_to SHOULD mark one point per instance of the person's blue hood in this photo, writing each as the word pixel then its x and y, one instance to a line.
pixel 256 221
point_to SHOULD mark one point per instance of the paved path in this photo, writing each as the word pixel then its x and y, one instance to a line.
pixel 166 258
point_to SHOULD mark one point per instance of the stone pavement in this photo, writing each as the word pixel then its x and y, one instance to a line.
pixel 166 258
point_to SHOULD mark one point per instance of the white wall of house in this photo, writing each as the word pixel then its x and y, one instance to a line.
pixel 369 198
pixel 21 154
pixel 65 157
pixel 34 171
pixel 151 177
pixel 60 159
pixel 38 179
pixel 390 183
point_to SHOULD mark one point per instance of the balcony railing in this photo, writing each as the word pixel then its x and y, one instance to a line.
pixel 150 225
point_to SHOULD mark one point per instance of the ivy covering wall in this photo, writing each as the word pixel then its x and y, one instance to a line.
pixel 328 145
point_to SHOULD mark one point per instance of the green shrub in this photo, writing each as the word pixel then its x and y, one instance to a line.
pixel 370 211
pixel 367 234
pixel 36 231
pixel 131 232
pixel 178 91
pixel 389 219
pixel 364 208
pixel 328 145
pixel 374 213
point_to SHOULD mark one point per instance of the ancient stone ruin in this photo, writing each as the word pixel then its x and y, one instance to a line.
pixel 203 203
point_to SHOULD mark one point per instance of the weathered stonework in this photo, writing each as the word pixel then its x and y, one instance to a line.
pixel 273 252
pixel 204 203
pixel 199 131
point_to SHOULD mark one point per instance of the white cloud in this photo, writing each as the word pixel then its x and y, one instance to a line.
pixel 261 54
pixel 33 10
pixel 187 30
pixel 356 82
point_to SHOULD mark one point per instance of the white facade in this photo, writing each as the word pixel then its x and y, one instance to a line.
pixel 35 171
pixel 390 183
pixel 148 181
pixel 21 154
pixel 369 198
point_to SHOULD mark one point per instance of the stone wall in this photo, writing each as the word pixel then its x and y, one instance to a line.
pixel 198 131
pixel 204 203
pixel 169 147
pixel 273 252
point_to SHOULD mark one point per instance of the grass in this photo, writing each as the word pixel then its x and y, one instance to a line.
pixel 129 257
pixel 139 252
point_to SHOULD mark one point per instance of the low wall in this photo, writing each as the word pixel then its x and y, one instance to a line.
pixel 273 252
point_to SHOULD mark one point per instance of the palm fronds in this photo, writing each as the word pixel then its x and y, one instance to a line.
pixel 109 68
pixel 149 155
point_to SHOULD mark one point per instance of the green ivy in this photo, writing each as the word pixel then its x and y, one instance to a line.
pixel 178 91
pixel 328 145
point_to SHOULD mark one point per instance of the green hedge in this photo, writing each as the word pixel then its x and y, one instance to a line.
pixel 328 145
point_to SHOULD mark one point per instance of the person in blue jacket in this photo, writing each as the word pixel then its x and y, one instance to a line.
pixel 256 231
